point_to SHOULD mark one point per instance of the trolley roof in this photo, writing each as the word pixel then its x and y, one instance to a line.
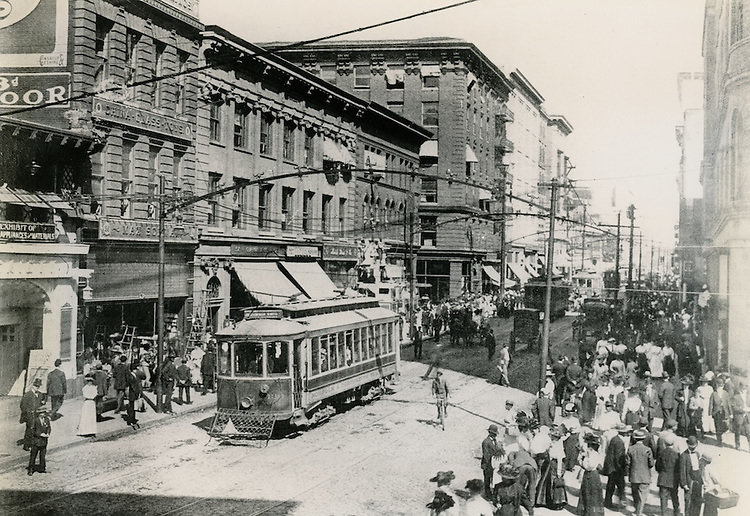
pixel 277 329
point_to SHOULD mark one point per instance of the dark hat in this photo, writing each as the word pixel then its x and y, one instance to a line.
pixel 441 501
pixel 509 402
pixel 89 378
pixel 493 429
pixel 443 477
pixel 475 485
pixel 591 438
pixel 509 472
pixel 687 379
pixel 37 382
pixel 58 362
pixel 671 423
pixel 692 442
pixel 639 435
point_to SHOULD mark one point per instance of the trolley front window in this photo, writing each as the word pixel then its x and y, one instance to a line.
pixel 278 358
pixel 225 358
pixel 248 359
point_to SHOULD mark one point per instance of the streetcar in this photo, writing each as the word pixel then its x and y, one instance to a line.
pixel 300 362
pixel 535 291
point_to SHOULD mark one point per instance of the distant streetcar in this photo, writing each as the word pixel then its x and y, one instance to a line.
pixel 299 362
pixel 535 291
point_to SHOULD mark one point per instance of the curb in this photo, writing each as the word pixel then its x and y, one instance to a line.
pixel 112 435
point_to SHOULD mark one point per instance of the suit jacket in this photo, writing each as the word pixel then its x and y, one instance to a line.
pixel 687 474
pixel 738 409
pixel 120 375
pixel 56 383
pixel 719 402
pixel 668 468
pixel 545 409
pixel 30 401
pixel 640 460
pixel 666 395
pixel 40 430
pixel 490 448
pixel 652 403
pixel 614 457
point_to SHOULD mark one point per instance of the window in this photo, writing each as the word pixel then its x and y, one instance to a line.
pixel 394 79
pixel 241 115
pixel 8 333
pixel 214 122
pixel 264 196
pixel 429 189
pixel 333 354
pixel 307 200
pixel 287 207
pixel 239 202
pixel 323 353
pixel 288 151
pixel 325 214
pixel 277 358
pixel 177 161
pixel 157 70
pixel 315 359
pixel 328 73
pixel 466 275
pixel 362 76
pixel 397 106
pixel 309 148
pixel 430 114
pixel 266 134
pixel 430 81
pixel 102 44
pixel 342 216
pixel 428 231
pixel 131 55
pixel 126 178
pixel 182 63
pixel 213 201
pixel 248 359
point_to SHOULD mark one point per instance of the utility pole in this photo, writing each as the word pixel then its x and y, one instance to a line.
pixel 583 238
pixel 617 258
pixel 651 267
pixel 160 295
pixel 640 256
pixel 502 230
pixel 554 185
pixel 631 216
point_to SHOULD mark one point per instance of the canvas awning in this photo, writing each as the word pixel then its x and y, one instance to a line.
pixel 429 70
pixel 375 160
pixel 519 271
pixel 531 270
pixel 336 151
pixel 470 156
pixel 429 149
pixel 492 274
pixel 266 282
pixel 311 278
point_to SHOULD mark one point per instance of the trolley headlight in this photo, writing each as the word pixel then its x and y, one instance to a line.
pixel 246 403
pixel 263 391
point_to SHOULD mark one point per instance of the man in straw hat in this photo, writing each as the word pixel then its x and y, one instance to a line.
pixel 639 461
pixel 40 430
pixel 490 448
pixel 614 466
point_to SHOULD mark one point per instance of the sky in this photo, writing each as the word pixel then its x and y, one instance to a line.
pixel 610 67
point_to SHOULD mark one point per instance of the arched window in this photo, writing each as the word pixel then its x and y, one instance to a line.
pixel 365 210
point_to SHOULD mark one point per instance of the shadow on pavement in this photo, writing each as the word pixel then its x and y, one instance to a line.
pixel 59 502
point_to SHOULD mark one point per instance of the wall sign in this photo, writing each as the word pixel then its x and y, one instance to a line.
pixel 302 251
pixel 109 111
pixel 143 230
pixel 32 89
pixel 340 252
pixel 28 231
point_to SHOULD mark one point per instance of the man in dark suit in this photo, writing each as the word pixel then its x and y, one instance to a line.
pixel 120 373
pixel 691 475
pixel 720 408
pixel 490 448
pixel 30 401
pixel 544 409
pixel 135 391
pixel 208 368
pixel 614 467
pixel 639 461
pixel 667 398
pixel 168 376
pixel 740 422
pixel 57 387
pixel 651 400
pixel 40 430
pixel 668 478
pixel 683 395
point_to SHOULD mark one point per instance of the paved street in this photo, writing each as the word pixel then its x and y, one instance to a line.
pixel 373 459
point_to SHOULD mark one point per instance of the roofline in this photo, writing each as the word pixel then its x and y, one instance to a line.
pixel 524 84
pixel 561 122
pixel 401 44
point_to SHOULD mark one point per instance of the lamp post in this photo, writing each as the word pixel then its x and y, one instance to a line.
pixel 160 296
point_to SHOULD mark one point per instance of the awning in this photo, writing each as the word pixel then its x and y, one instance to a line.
pixel 429 70
pixel 470 156
pixel 509 283
pixel 266 282
pixel 394 77
pixel 519 271
pixel 311 278
pixel 34 199
pixel 492 273
pixel 429 149
pixel 531 270
pixel 375 160
pixel 336 151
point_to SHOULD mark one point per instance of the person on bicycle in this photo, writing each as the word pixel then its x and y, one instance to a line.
pixel 440 391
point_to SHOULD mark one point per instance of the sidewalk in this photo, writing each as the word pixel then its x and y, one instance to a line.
pixel 64 429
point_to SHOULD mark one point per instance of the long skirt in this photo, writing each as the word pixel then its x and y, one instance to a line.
pixel 87 423
pixel 550 491
pixel 590 500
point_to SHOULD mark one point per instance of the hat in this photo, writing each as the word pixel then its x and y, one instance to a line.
pixel 493 429
pixel 707 456
pixel 569 407
pixel 116 349
pixel 671 423
pixel 509 472
pixel 441 501
pixel 58 362
pixel 611 339
pixel 667 438
pixel 37 382
pixel 89 378
pixel 623 428
pixel 687 379
pixel 639 435
pixel 475 485
pixel 443 477
pixel 509 402
pixel 703 379
pixel 692 442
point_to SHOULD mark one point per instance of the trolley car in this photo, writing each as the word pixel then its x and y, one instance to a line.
pixel 299 362
pixel 535 291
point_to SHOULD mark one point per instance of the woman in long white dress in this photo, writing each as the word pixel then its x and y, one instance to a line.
pixel 87 423
pixel 704 391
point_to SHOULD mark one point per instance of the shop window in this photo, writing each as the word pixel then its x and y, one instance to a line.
pixel 287 208
pixel 277 354
pixel 214 122
pixel 430 114
pixel 266 134
pixel 248 359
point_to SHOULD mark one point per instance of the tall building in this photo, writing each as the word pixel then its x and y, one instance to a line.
pixel 319 173
pixel 726 188
pixel 451 88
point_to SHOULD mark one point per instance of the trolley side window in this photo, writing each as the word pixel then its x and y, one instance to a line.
pixel 389 337
pixel 278 358
pixel 225 358
pixel 371 342
pixel 333 354
pixel 344 358
pixel 248 359
pixel 315 359
pixel 349 353
pixel 323 353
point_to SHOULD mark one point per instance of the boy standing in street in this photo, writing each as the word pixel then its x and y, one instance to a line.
pixel 40 429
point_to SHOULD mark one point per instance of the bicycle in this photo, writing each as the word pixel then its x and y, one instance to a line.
pixel 441 407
